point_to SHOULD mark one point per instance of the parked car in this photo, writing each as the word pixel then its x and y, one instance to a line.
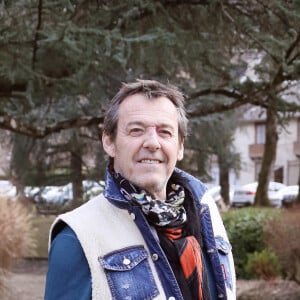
pixel 92 188
pixel 7 189
pixel 55 194
pixel 244 195
pixel 31 192
pixel 286 196
pixel 62 194
pixel 215 192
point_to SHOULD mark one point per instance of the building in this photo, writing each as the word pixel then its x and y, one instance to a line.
pixel 250 143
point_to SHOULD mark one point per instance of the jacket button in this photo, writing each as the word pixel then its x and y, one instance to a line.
pixel 171 298
pixel 132 216
pixel 126 261
pixel 154 257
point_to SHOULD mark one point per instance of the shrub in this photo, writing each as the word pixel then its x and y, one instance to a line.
pixel 263 265
pixel 245 232
pixel 16 236
pixel 282 235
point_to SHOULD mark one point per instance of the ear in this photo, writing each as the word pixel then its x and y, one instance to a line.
pixel 108 145
pixel 180 151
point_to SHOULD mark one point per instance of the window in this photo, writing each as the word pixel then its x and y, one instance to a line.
pixel 278 174
pixel 260 133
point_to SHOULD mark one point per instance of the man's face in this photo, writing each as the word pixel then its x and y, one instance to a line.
pixel 147 145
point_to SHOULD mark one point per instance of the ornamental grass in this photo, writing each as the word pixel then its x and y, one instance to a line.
pixel 16 238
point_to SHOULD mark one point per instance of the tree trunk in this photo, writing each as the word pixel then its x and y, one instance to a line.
pixel 261 197
pixel 298 197
pixel 76 177
pixel 224 183
pixel 20 161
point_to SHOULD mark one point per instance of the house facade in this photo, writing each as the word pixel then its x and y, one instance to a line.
pixel 250 143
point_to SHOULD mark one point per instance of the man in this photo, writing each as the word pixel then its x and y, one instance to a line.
pixel 153 233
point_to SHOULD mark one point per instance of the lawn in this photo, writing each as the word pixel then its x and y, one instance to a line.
pixel 41 226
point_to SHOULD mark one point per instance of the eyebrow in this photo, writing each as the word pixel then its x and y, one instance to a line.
pixel 143 124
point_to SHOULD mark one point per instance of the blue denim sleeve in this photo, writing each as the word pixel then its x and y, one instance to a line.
pixel 68 275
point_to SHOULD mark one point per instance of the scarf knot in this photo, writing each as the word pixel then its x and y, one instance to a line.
pixel 170 212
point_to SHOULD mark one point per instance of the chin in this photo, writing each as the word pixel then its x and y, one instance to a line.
pixel 152 187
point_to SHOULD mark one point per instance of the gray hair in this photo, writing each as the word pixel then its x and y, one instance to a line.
pixel 151 89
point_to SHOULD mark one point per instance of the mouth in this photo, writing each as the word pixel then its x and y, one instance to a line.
pixel 150 161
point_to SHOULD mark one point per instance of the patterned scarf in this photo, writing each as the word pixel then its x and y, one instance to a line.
pixel 160 213
pixel 169 218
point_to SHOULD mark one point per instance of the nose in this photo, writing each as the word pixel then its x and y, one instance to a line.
pixel 151 141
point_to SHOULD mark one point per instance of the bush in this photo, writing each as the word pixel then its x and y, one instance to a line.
pixel 16 236
pixel 262 265
pixel 245 232
pixel 282 235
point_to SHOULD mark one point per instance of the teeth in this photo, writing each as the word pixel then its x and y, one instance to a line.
pixel 149 161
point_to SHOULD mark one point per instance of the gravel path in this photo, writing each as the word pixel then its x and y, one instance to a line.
pixel 27 280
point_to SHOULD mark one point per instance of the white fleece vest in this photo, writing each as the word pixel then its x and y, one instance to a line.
pixel 102 228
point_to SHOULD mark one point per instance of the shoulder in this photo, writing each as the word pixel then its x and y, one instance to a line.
pixel 79 217
pixel 66 257
pixel 65 241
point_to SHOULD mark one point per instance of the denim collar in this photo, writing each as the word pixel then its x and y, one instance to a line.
pixel 113 194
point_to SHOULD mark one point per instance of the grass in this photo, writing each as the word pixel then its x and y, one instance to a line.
pixel 41 226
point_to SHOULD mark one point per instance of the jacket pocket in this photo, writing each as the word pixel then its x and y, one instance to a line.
pixel 129 275
pixel 224 249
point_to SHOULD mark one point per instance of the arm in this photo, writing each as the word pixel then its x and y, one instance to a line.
pixel 219 230
pixel 68 274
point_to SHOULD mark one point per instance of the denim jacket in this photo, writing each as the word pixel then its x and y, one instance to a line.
pixel 130 262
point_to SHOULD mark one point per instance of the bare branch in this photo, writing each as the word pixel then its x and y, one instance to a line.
pixel 290 55
pixel 217 91
pixel 37 34
pixel 29 129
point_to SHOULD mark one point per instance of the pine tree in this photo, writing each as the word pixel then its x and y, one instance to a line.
pixel 54 53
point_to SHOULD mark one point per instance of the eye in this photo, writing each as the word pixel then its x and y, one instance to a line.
pixel 165 133
pixel 136 131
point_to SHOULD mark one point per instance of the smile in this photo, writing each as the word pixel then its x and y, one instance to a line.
pixel 150 161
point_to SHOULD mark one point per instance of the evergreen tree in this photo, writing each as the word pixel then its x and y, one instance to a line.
pixel 54 53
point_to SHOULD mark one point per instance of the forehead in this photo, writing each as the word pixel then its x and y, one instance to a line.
pixel 154 111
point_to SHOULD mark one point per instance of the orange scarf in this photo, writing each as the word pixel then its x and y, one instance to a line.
pixel 190 257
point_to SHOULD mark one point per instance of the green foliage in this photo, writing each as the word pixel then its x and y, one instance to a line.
pixel 245 231
pixel 218 142
pixel 262 265
pixel 53 51
pixel 61 60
